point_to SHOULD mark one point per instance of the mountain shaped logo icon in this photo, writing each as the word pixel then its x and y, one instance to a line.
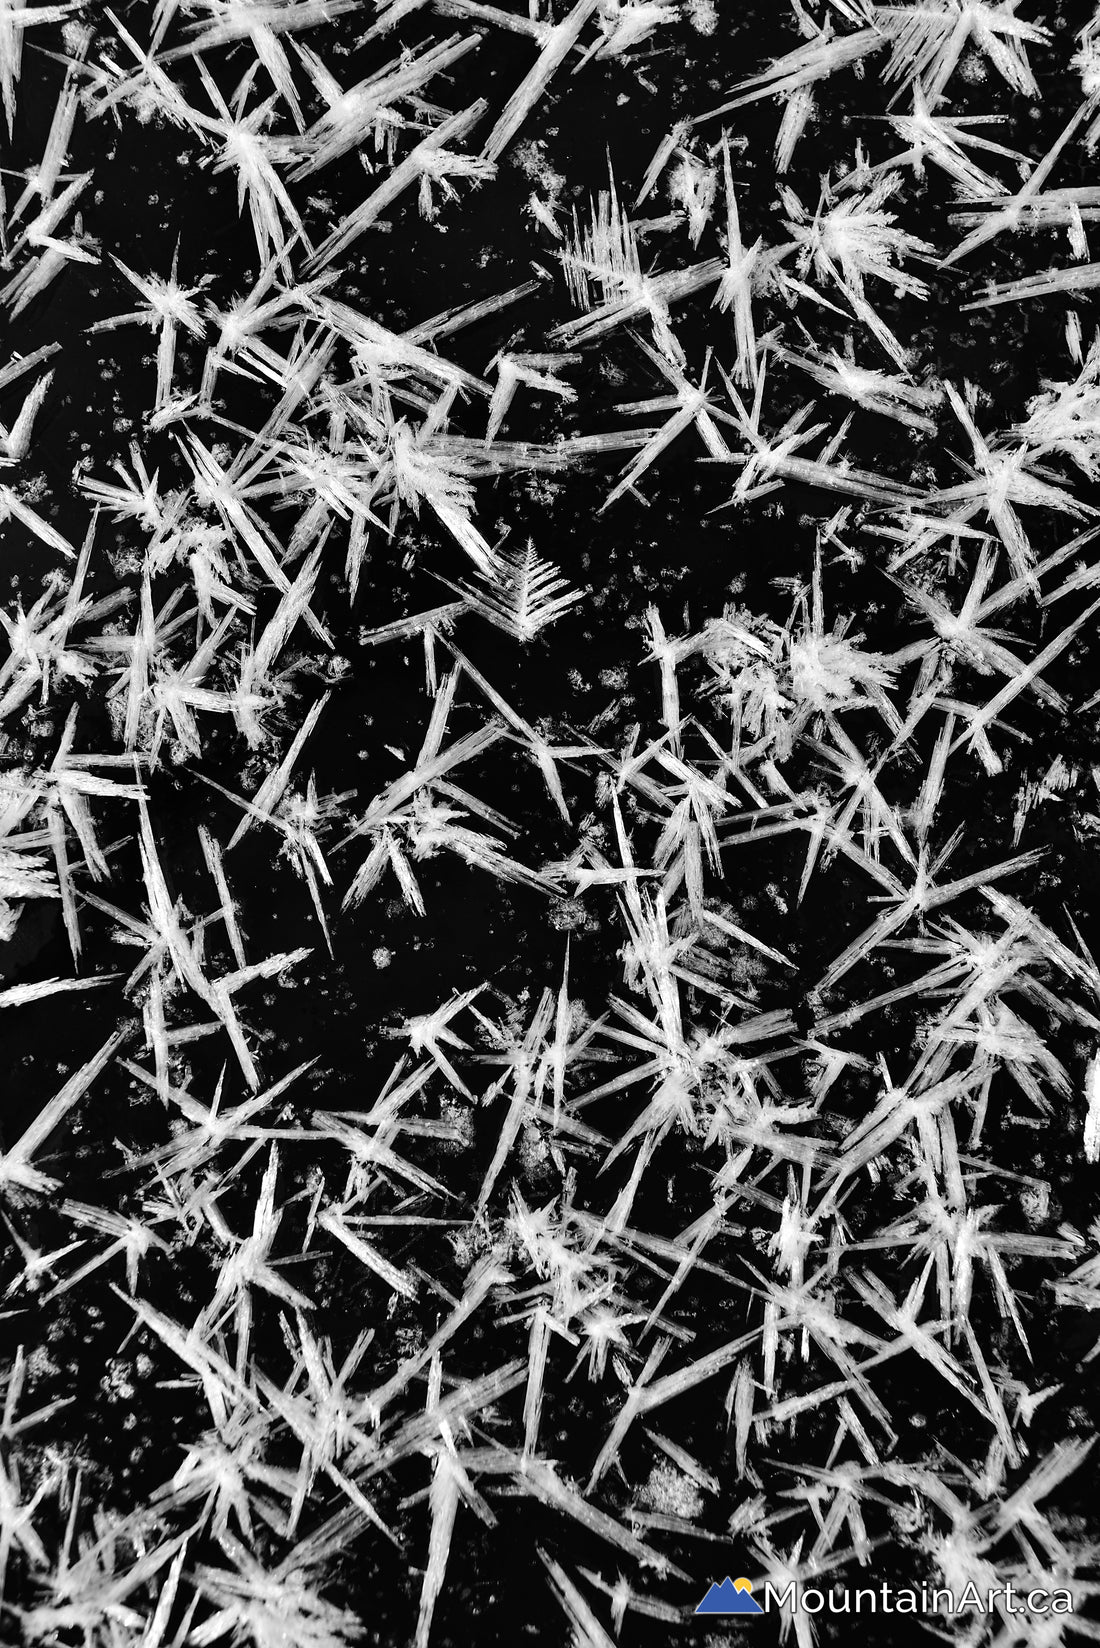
pixel 733 1596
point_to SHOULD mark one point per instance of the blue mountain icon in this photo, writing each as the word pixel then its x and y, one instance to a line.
pixel 731 1597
